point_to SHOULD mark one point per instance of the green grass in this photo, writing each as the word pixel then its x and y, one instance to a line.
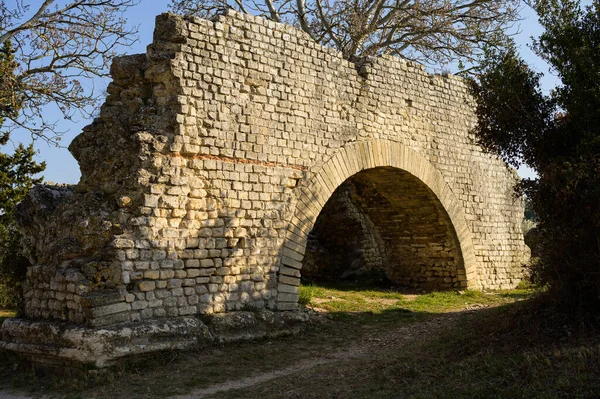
pixel 308 292
pixel 567 373
pixel 494 352
pixel 501 353
pixel 350 299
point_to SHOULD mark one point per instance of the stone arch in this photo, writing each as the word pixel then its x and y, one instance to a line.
pixel 321 182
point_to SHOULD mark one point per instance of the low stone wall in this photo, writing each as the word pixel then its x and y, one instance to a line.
pixel 59 345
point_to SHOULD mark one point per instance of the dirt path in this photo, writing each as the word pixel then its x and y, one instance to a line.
pixel 344 357
pixel 14 395
pixel 363 349
pixel 257 379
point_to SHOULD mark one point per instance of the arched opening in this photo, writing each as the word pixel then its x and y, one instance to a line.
pixel 399 163
pixel 384 225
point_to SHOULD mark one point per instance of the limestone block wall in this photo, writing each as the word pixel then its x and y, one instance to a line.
pixel 216 151
pixel 344 242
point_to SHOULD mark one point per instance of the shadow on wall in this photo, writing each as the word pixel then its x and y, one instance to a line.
pixel 407 214
pixel 383 225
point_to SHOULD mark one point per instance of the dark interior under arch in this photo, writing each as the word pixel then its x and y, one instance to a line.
pixel 384 225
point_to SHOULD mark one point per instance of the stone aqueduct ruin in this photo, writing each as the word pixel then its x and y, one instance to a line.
pixel 208 167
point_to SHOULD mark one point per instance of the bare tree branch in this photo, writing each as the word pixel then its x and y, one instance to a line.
pixel 56 49
pixel 302 18
pixel 28 24
pixel 433 32
pixel 274 14
pixel 328 29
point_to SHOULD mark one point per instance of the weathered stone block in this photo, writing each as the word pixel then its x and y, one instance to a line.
pixel 146 286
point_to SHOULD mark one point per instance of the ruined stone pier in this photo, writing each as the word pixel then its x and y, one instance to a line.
pixel 204 176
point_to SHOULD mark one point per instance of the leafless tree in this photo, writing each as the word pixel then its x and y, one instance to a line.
pixel 60 46
pixel 433 32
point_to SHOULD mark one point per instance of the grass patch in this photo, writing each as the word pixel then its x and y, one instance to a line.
pixel 6 314
pixel 492 354
pixel 348 299
pixel 566 373
pixel 480 354
pixel 307 293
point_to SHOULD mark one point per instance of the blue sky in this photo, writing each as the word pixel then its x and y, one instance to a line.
pixel 62 167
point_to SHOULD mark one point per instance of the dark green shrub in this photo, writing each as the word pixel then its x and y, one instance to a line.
pixel 558 135
pixel 13 268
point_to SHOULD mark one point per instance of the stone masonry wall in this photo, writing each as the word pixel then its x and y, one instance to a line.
pixel 344 242
pixel 213 155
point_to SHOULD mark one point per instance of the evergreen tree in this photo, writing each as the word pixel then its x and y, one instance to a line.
pixel 9 100
pixel 17 171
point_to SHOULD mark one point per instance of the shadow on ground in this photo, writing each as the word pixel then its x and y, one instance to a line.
pixel 488 350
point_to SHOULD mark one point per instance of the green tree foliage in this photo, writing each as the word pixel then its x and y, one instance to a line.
pixel 558 135
pixel 13 267
pixel 17 173
pixel 9 99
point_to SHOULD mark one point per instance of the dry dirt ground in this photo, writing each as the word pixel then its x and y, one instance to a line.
pixel 459 352
pixel 286 382
pixel 286 378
